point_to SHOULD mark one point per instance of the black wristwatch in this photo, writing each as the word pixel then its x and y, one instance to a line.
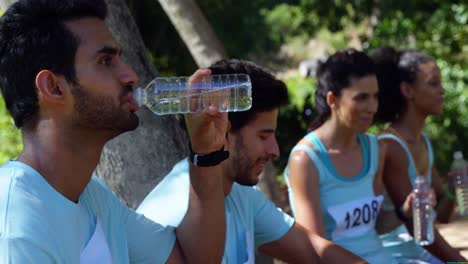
pixel 210 159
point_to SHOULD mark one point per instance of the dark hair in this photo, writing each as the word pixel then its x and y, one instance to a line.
pixel 334 75
pixel 268 92
pixel 33 36
pixel 394 67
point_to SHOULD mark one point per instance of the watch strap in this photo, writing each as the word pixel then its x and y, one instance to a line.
pixel 208 160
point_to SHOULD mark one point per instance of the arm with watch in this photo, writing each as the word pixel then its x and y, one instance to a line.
pixel 205 217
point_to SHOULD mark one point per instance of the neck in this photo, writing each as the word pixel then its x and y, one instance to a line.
pixel 336 136
pixel 66 158
pixel 410 125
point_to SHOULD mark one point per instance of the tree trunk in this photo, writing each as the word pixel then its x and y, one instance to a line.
pixel 195 30
pixel 133 163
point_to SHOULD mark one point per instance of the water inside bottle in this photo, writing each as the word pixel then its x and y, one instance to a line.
pixel 461 193
pixel 229 93
pixel 423 217
pixel 423 213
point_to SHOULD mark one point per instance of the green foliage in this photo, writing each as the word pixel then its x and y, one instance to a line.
pixel 240 25
pixel 255 28
pixel 441 32
pixel 287 22
pixel 249 28
pixel 294 118
pixel 10 138
pixel 448 131
pixel 438 28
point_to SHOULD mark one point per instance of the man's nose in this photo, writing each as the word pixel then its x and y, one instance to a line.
pixel 272 149
pixel 128 75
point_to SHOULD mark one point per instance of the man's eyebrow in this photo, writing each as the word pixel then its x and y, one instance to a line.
pixel 110 50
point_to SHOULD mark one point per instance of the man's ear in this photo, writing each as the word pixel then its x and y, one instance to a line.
pixel 48 87
pixel 331 99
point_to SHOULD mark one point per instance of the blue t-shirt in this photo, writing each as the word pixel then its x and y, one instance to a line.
pixel 39 225
pixel 251 219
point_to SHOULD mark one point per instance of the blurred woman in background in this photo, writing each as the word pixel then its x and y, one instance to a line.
pixel 410 90
pixel 334 172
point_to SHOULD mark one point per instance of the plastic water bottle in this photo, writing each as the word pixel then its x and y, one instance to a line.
pixel 460 168
pixel 175 95
pixel 423 214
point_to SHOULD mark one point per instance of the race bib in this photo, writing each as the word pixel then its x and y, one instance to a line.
pixel 356 217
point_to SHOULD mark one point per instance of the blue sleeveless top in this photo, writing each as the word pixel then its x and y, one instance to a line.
pixel 349 205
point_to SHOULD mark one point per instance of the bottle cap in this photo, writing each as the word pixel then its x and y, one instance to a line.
pixel 458 155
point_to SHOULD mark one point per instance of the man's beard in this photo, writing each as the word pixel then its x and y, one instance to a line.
pixel 100 112
pixel 243 166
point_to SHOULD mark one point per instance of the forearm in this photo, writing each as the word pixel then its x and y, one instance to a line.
pixel 202 231
pixel 330 252
pixel 441 249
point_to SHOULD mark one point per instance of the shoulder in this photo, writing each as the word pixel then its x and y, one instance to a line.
pixel 390 144
pixel 23 250
pixel 175 187
pixel 382 144
pixel 32 211
pixel 252 197
pixel 26 220
pixel 302 163
pixel 22 194
pixel 394 155
pixel 98 195
pixel 303 154
pixel 393 149
pixel 245 193
pixel 168 202
pixel 246 196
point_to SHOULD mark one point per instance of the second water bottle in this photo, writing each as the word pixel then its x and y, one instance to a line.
pixel 460 168
pixel 174 95
pixel 423 213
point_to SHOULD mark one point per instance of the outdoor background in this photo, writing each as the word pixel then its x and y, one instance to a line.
pixel 281 34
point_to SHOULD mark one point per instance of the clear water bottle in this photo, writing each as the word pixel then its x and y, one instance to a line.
pixel 423 214
pixel 176 95
pixel 460 168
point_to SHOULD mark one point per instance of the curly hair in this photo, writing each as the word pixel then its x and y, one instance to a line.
pixel 268 93
pixel 334 75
